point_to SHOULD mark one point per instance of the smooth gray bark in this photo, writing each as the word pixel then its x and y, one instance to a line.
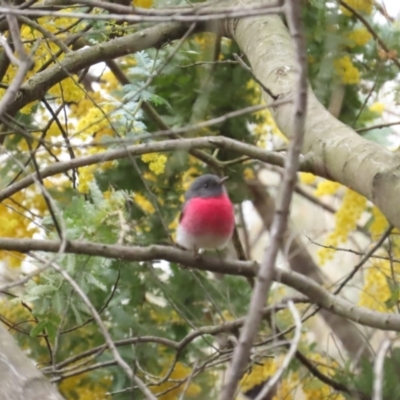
pixel 336 151
pixel 19 378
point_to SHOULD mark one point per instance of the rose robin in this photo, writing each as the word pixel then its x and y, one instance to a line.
pixel 207 220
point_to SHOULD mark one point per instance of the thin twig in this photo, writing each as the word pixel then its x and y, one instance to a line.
pixel 357 253
pixel 189 379
pixel 365 259
pixel 379 369
pixel 24 62
pixel 143 15
pixel 26 278
pixel 292 163
pixel 379 126
pixel 207 142
pixel 110 343
pixel 289 356
pixel 370 29
pixel 249 70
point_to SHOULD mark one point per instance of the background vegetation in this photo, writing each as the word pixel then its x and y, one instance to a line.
pixel 167 319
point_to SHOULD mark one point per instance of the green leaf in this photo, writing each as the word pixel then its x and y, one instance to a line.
pixel 395 293
pixel 96 194
pixel 41 290
pixel 94 281
pixel 38 329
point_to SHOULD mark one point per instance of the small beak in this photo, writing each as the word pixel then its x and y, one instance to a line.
pixel 222 180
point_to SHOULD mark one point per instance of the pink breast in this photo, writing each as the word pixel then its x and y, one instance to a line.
pixel 209 215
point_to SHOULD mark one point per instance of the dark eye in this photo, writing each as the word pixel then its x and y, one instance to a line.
pixel 206 185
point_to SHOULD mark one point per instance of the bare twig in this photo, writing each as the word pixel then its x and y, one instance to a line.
pixel 178 346
pixel 352 251
pixel 8 50
pixel 24 62
pixel 26 278
pixel 110 343
pixel 306 286
pixel 248 69
pixel 142 15
pixel 379 369
pixel 289 356
pixel 379 126
pixel 199 63
pixel 182 396
pixel 292 163
pixel 370 29
pixel 207 142
pixel 365 259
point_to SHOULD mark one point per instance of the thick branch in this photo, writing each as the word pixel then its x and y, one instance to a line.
pixel 292 163
pixel 19 377
pixel 301 261
pixel 316 293
pixel 136 150
pixel 36 87
pixel 335 149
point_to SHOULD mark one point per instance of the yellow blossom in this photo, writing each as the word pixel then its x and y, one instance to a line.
pixel 258 374
pixel 54 130
pixel 86 176
pixel 376 290
pixel 15 312
pixel 267 126
pixel 80 387
pixel 379 223
pixel 315 389
pixel 16 225
pixel 363 6
pixel 326 188
pixel 143 203
pixel 180 372
pixel 359 37
pixel 307 178
pixel 82 107
pixel 110 82
pixel 248 173
pixel 95 122
pixel 173 225
pixel 205 40
pixel 377 107
pixel 156 162
pixel 26 110
pixel 189 174
pixel 68 90
pixel 345 68
pixel 346 219
pixel 142 3
pixel 161 317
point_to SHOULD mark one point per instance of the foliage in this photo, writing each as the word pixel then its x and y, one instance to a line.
pixel 136 201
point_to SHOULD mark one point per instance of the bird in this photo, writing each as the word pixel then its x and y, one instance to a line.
pixel 207 219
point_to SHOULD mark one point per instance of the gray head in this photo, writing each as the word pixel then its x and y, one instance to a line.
pixel 206 186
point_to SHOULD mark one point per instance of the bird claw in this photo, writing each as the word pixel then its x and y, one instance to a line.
pixel 196 254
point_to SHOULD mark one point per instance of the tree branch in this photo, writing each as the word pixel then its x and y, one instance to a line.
pixel 207 142
pixel 335 150
pixel 281 216
pixel 19 377
pixel 137 14
pixel 316 293
pixel 301 261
